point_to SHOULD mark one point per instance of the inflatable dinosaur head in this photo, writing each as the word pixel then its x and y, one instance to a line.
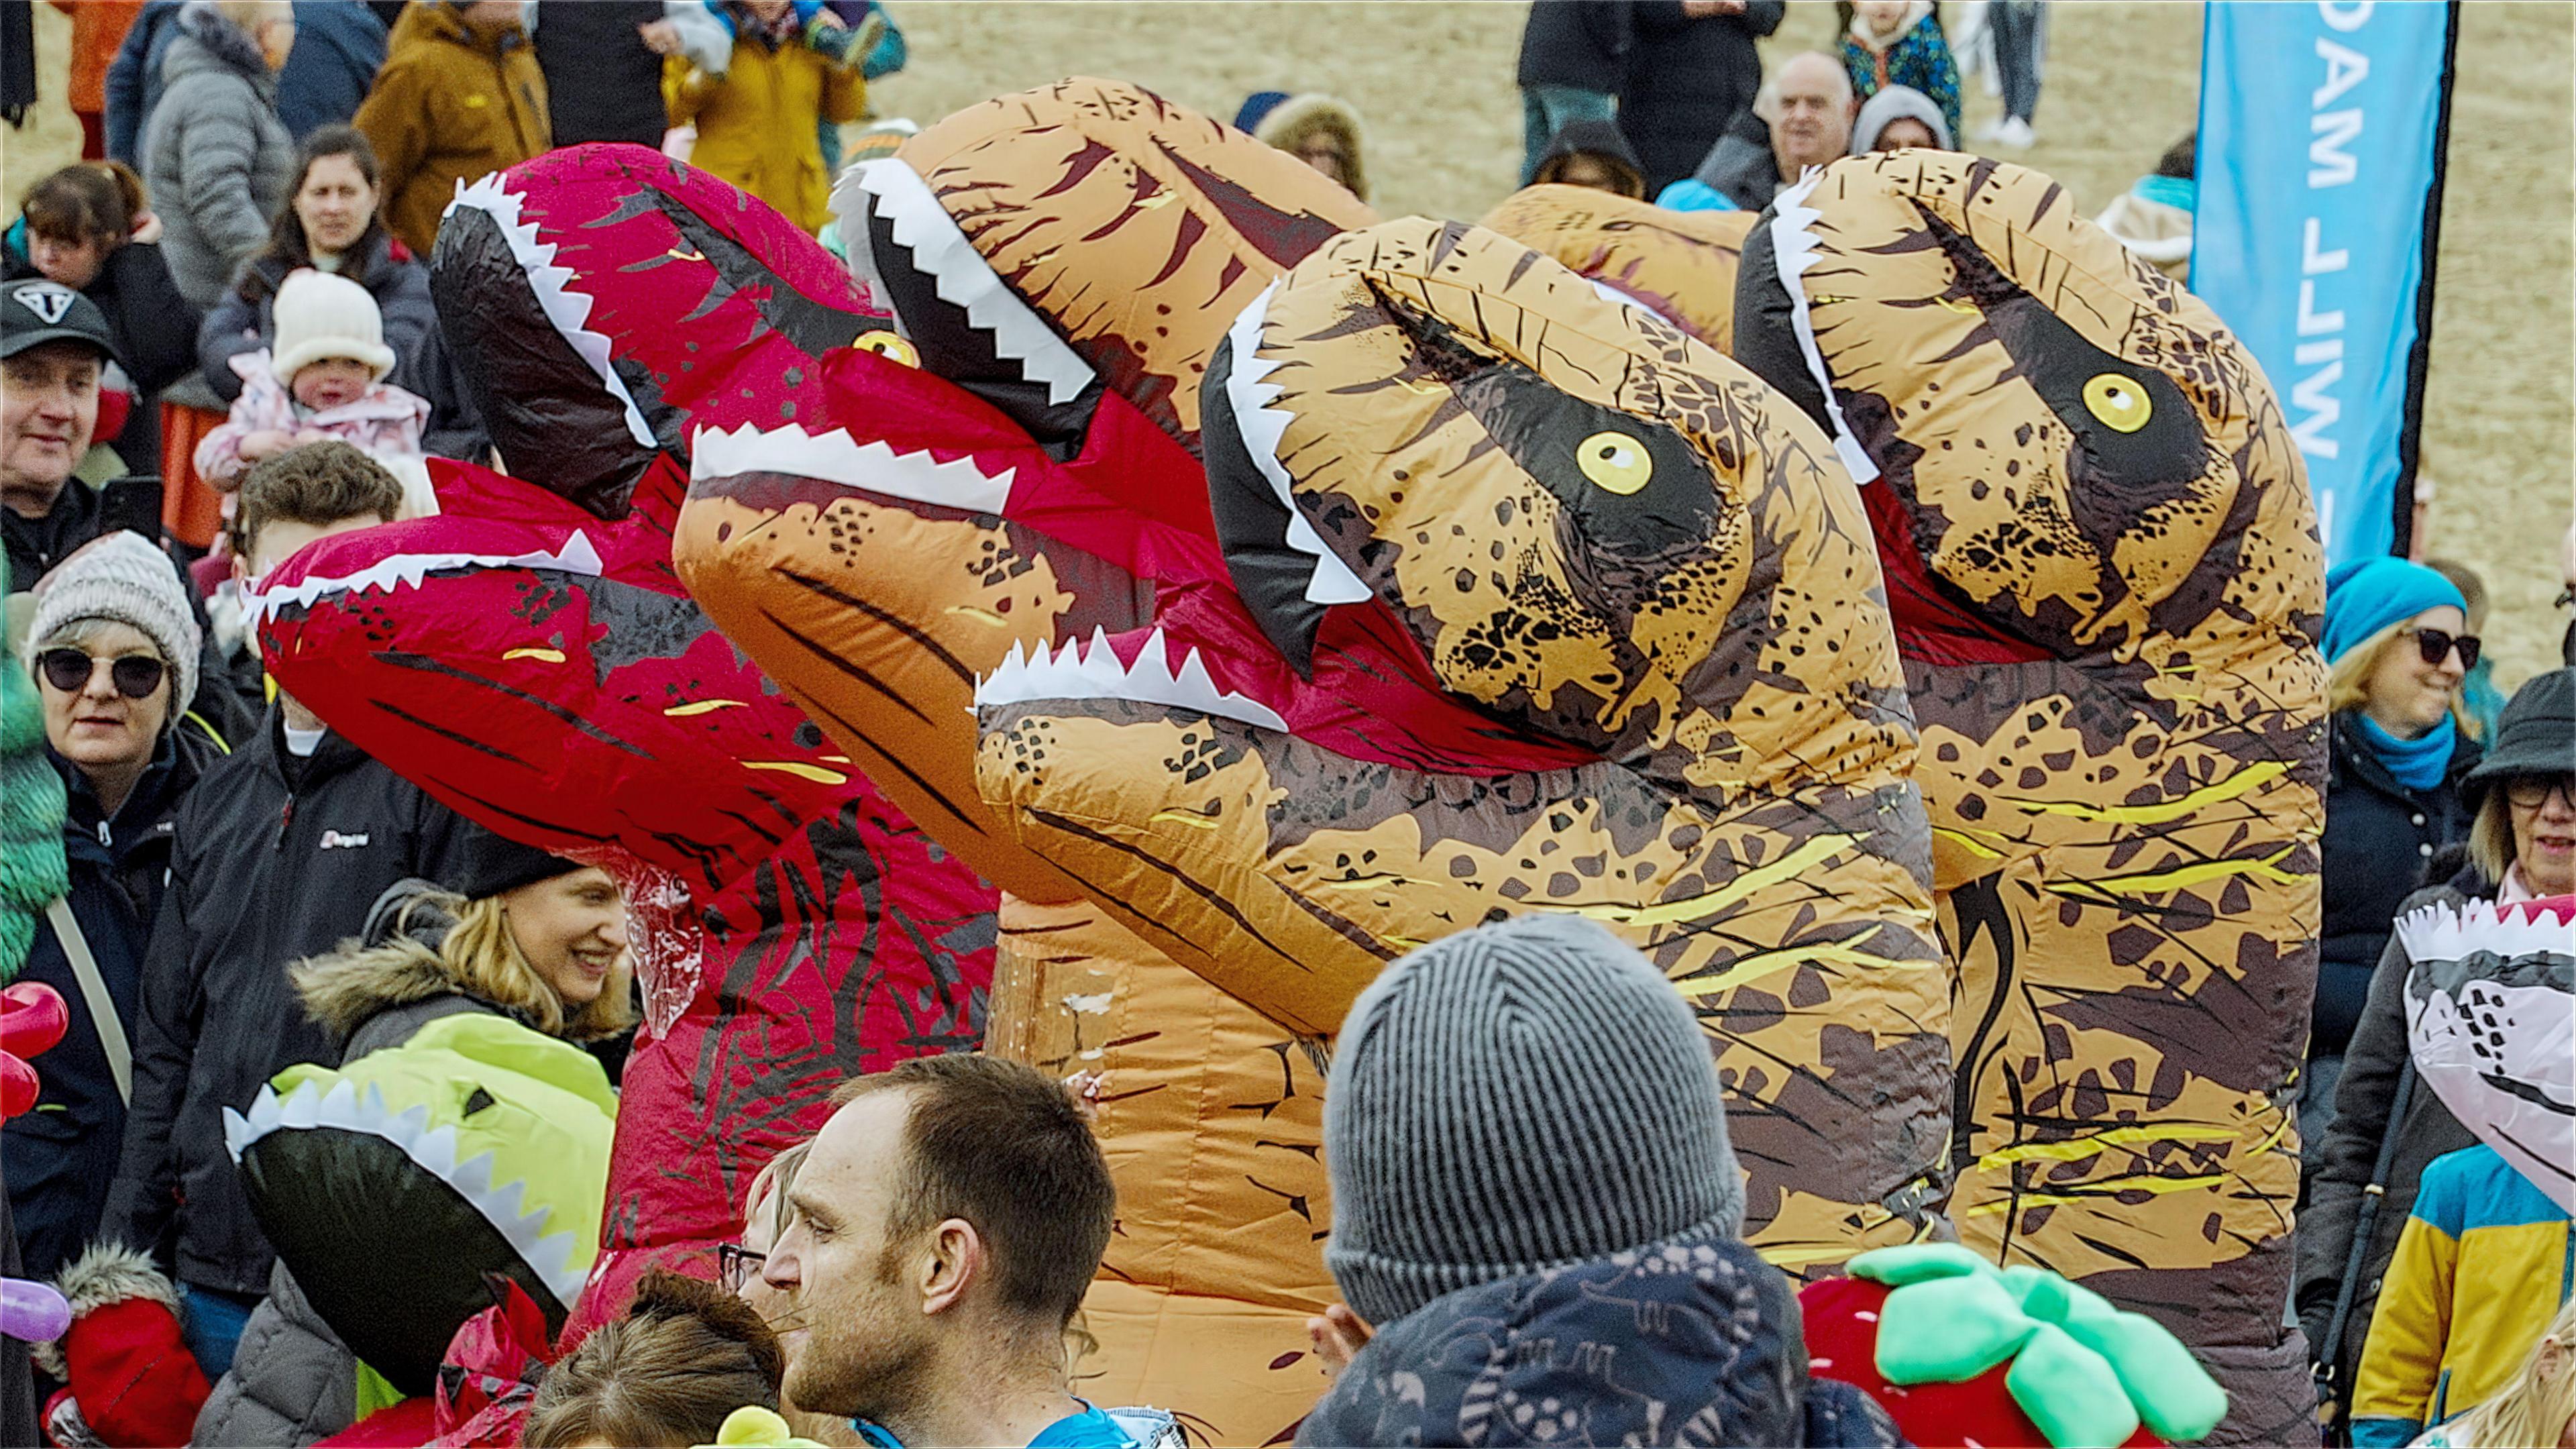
pixel 2491 1023
pixel 603 302
pixel 1083 237
pixel 1036 473
pixel 1682 264
pixel 1581 518
pixel 393 1185
pixel 538 669
pixel 530 658
pixel 2079 460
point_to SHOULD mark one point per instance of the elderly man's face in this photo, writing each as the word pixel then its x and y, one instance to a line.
pixel 1815 115
pixel 48 409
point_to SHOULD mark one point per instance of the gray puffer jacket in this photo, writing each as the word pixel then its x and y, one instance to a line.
pixel 217 159
pixel 293 1382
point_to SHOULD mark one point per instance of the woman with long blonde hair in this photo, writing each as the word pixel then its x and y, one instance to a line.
pixel 516 932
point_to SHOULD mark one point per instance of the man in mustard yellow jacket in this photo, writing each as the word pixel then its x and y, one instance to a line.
pixel 460 95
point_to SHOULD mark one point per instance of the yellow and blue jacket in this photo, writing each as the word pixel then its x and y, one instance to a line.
pixel 2484 1262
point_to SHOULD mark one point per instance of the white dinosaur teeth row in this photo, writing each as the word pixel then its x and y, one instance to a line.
pixel 2443 931
pixel 1793 250
pixel 568 310
pixel 1263 427
pixel 963 278
pixel 836 458
pixel 406 570
pixel 849 205
pixel 1077 672
pixel 562 1259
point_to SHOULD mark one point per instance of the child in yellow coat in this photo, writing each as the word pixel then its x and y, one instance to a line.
pixel 795 65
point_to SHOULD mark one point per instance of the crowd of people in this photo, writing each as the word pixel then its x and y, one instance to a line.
pixel 220 346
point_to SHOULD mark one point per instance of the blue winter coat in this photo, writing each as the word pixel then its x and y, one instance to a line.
pixel 1692 1341
pixel 134 79
pixel 339 46
pixel 60 1158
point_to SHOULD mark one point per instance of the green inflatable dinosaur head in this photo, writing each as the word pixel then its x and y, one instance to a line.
pixel 391 1186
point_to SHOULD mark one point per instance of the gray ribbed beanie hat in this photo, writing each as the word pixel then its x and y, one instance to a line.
pixel 1509 1099
pixel 122 577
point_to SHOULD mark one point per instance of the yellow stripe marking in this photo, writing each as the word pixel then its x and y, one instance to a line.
pixel 1763 963
pixel 1743 887
pixel 2200 873
pixel 2096 1192
pixel 1190 818
pixel 800 769
pixel 2252 777
pixel 2100 1142
pixel 705 706
pixel 1960 839
pixel 980 616
pixel 551 656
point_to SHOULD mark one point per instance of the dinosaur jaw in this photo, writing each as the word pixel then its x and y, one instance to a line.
pixel 566 309
pixel 966 322
pixel 913 475
pixel 561 1258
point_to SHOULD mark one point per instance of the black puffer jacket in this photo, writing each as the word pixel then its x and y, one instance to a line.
pixel 1692 1341
pixel 59 1158
pixel 2364 1100
pixel 1686 79
pixel 293 1382
pixel 2379 838
pixel 277 859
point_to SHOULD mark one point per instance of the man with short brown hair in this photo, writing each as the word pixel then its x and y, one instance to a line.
pixel 948 1219
pixel 278 853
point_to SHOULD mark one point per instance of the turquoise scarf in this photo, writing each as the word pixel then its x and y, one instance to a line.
pixel 2418 764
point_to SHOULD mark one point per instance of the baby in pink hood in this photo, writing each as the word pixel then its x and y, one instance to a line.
pixel 323 381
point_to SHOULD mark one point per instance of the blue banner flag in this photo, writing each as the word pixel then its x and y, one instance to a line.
pixel 2322 128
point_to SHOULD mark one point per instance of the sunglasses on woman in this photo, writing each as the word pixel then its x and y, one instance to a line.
pixel 2436 645
pixel 69 670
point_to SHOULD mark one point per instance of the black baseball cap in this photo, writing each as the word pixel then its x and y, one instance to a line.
pixel 36 311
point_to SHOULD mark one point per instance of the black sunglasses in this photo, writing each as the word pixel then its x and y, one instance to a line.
pixel 69 670
pixel 2435 644
pixel 2530 792
pixel 737 1265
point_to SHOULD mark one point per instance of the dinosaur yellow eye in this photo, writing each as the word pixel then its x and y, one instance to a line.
pixel 890 346
pixel 1615 461
pixel 2118 402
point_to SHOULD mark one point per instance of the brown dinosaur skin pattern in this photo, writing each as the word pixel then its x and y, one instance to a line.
pixel 879 612
pixel 1138 227
pixel 1680 263
pixel 2106 581
pixel 1703 633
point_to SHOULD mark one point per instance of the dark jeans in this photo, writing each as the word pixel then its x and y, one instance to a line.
pixel 211 1323
pixel 2015 25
